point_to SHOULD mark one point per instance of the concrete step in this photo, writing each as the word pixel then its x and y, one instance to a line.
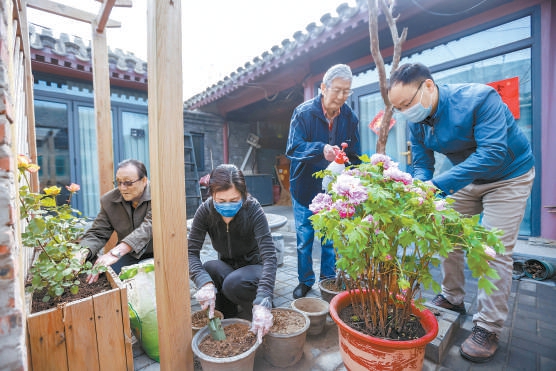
pixel 448 324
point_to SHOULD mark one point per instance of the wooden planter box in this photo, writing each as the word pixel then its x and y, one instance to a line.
pixel 88 334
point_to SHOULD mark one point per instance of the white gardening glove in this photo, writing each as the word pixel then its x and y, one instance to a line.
pixel 206 296
pixel 262 321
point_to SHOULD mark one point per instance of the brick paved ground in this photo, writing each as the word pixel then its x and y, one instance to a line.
pixel 528 341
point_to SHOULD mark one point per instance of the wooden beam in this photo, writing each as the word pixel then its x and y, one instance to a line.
pixel 29 100
pixel 68 12
pixel 121 3
pixel 103 115
pixel 104 14
pixel 168 184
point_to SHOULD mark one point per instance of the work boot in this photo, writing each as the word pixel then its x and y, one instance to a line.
pixel 480 346
pixel 442 302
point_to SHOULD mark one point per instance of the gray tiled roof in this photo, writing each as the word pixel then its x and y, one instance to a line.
pixel 314 36
pixel 72 53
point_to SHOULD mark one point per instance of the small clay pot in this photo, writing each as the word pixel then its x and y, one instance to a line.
pixel 326 293
pixel 316 309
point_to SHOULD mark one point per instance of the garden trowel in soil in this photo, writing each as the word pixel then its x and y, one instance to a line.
pixel 215 328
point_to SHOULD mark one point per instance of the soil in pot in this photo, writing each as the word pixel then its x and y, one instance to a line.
pixel 238 340
pixel 283 345
pixel 286 323
pixel 412 329
pixel 199 319
pixel 85 290
pixel 538 270
pixel 329 288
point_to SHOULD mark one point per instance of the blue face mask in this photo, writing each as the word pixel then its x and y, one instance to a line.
pixel 418 112
pixel 228 209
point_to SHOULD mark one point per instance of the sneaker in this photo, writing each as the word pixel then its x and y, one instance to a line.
pixel 442 302
pixel 480 346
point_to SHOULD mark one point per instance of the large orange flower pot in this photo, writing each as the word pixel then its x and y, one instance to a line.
pixel 364 352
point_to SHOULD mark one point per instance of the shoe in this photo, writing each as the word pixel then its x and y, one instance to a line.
pixel 301 290
pixel 480 346
pixel 442 302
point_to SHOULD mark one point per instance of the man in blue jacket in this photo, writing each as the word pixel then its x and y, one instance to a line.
pixel 318 127
pixel 493 171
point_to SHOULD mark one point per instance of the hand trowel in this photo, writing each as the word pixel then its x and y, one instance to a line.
pixel 215 328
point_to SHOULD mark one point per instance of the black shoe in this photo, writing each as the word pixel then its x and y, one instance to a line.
pixel 301 290
pixel 442 302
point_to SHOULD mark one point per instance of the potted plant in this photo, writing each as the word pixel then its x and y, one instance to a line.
pixel 388 230
pixel 99 323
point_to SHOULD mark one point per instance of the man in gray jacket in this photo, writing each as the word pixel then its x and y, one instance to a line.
pixel 125 210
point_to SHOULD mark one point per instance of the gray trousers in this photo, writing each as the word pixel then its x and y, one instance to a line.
pixel 503 205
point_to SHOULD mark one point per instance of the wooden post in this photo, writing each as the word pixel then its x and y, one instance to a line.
pixel 103 115
pixel 168 184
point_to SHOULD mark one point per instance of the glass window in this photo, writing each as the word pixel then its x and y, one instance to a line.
pixel 89 195
pixel 135 136
pixel 53 146
pixel 506 33
pixel 369 106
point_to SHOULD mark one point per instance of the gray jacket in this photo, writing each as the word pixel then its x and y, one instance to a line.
pixel 133 226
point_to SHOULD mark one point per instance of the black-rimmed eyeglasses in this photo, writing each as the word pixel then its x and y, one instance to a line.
pixel 397 110
pixel 127 183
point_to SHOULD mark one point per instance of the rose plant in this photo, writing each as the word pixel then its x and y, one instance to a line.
pixel 388 230
pixel 53 231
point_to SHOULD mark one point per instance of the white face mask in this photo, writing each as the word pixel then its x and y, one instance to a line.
pixel 418 112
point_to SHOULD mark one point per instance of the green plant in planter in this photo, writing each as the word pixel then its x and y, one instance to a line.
pixel 54 231
pixel 388 230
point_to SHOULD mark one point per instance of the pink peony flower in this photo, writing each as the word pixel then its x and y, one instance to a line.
pixel 345 209
pixel 73 187
pixel 350 187
pixel 386 161
pixel 490 251
pixel 397 175
pixel 322 201
pixel 440 204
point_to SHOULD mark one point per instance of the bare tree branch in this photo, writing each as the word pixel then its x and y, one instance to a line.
pixel 387 10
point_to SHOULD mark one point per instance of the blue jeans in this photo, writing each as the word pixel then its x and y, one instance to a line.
pixel 305 237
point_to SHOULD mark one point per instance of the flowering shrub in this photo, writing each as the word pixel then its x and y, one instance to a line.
pixel 53 230
pixel 388 229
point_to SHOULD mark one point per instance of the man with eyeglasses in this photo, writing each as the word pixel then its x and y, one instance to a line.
pixel 493 171
pixel 125 210
pixel 318 127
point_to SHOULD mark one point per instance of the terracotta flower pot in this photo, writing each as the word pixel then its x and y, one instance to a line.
pixel 364 352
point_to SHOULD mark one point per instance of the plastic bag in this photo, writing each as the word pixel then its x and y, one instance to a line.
pixel 141 297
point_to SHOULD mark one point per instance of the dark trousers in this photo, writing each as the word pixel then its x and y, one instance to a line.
pixel 234 287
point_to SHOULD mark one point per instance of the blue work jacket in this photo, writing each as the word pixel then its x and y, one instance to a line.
pixel 477 132
pixel 308 135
